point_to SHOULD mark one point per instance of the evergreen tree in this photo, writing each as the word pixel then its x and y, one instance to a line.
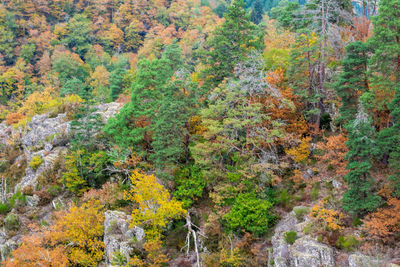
pixel 360 197
pixel 353 80
pixel 257 12
pixel 386 41
pixel 132 127
pixel 171 135
pixel 116 79
pixel 230 43
pixel 389 143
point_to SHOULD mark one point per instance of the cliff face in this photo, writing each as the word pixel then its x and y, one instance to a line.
pixel 306 251
pixel 44 139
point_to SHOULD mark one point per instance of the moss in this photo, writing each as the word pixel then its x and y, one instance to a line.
pixel 35 162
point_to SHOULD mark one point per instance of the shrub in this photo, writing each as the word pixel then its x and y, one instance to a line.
pixel 300 212
pixel 118 259
pixel 315 193
pixel 190 185
pixel 348 243
pixel 11 222
pixel 35 162
pixel 4 208
pixel 17 200
pixel 290 237
pixel 54 190
pixel 251 214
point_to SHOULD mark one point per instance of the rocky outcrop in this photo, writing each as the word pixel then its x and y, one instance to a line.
pixel 119 237
pixel 304 252
pixel 48 138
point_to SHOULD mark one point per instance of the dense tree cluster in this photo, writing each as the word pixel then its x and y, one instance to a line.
pixel 232 113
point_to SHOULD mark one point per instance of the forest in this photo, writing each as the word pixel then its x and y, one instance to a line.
pixel 200 133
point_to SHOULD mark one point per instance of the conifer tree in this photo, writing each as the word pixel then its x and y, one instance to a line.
pixel 257 12
pixel 360 197
pixel 389 143
pixel 132 127
pixel 353 80
pixel 386 41
pixel 230 43
pixel 171 135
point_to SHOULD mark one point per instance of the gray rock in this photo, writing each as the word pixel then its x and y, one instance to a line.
pixel 118 236
pixel 360 260
pixel 307 252
pixel 32 201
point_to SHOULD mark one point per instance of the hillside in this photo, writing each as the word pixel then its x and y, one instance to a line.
pixel 199 133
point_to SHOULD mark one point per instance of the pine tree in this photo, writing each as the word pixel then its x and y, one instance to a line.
pixel 171 135
pixel 386 41
pixel 389 143
pixel 257 12
pixel 133 126
pixel 116 79
pixel 353 80
pixel 230 43
pixel 360 196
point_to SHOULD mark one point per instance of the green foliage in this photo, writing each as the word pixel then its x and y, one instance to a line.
pixel 251 214
pixel 348 243
pixel 35 162
pixel 132 126
pixel 284 198
pixel 118 259
pixel 360 196
pixel 385 41
pixel 301 212
pixel 290 237
pixel 257 12
pixel 17 200
pixel 352 81
pixel 4 208
pixel 230 43
pixel 190 184
pixel 11 222
pixel 284 13
pixel 79 35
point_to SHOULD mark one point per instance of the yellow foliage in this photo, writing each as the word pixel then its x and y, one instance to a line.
pixel 81 229
pixel 301 152
pixel 329 218
pixel 156 208
pixel 231 258
pixel 35 162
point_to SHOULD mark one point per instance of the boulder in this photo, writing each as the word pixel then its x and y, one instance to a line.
pixel 361 260
pixel 307 252
pixel 119 237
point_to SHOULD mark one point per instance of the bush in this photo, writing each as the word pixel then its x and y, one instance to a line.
pixel 35 162
pixel 17 200
pixel 348 243
pixel 11 222
pixel 4 208
pixel 300 212
pixel 54 190
pixel 290 237
pixel 251 214
pixel 190 185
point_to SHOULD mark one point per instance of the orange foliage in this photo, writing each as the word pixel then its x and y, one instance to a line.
pixel 327 218
pixel 289 112
pixel 13 118
pixel 335 149
pixel 33 252
pixel 384 224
